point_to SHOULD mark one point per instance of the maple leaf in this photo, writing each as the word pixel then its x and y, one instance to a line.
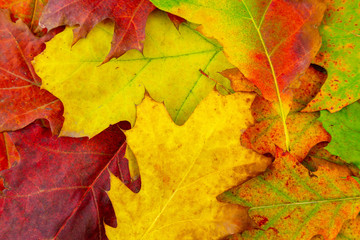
pixel 304 129
pixel 339 54
pixel 57 189
pixel 95 96
pixel 176 20
pixel 129 17
pixel 183 168
pixel 22 101
pixel 8 155
pixel 271 42
pixel 27 10
pixel 289 203
pixel 344 128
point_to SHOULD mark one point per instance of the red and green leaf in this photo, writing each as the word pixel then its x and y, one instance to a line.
pixel 305 131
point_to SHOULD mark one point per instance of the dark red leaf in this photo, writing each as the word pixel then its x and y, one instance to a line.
pixel 129 16
pixel 58 189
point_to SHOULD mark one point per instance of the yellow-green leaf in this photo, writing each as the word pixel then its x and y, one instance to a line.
pixel 183 168
pixel 95 95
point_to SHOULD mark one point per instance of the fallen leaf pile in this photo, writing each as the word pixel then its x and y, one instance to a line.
pixel 179 119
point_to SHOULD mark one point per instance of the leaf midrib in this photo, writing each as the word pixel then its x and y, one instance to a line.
pixel 282 112
pixel 324 201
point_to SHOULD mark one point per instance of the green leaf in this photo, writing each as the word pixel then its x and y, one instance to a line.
pixel 344 128
pixel 340 55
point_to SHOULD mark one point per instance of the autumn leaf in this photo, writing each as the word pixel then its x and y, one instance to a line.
pixel 319 156
pixel 287 202
pixel 27 10
pixel 182 169
pixel 8 155
pixel 22 100
pixel 96 95
pixel 344 128
pixel 350 230
pixel 176 20
pixel 58 189
pixel 271 42
pixel 340 56
pixel 129 17
pixel 305 131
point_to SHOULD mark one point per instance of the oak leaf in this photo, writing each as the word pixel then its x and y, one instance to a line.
pixel 21 99
pixel 271 42
pixel 58 188
pixel 95 95
pixel 129 17
pixel 287 202
pixel 350 230
pixel 305 131
pixel 183 168
pixel 29 11
pixel 344 128
pixel 319 156
pixel 340 56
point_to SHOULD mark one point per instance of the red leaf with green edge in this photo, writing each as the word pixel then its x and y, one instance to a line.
pixel 289 203
pixel 271 42
pixel 29 11
pixel 21 99
pixel 305 131
pixel 58 189
pixel 129 16
pixel 339 54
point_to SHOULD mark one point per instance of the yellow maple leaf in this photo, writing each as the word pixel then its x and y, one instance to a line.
pixel 183 169
pixel 95 95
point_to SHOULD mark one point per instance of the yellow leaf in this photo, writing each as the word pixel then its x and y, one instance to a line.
pixel 95 95
pixel 183 169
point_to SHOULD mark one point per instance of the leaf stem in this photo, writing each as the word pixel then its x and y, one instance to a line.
pixel 282 112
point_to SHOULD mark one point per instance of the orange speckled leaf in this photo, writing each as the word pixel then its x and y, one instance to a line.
pixel 27 10
pixel 350 230
pixel 304 129
pixel 21 99
pixel 129 16
pixel 318 156
pixel 289 203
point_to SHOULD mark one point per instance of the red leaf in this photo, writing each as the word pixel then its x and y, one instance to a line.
pixel 27 10
pixel 58 189
pixel 22 101
pixel 177 21
pixel 8 155
pixel 129 16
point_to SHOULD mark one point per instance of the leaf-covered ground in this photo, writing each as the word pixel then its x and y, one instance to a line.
pixel 179 119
